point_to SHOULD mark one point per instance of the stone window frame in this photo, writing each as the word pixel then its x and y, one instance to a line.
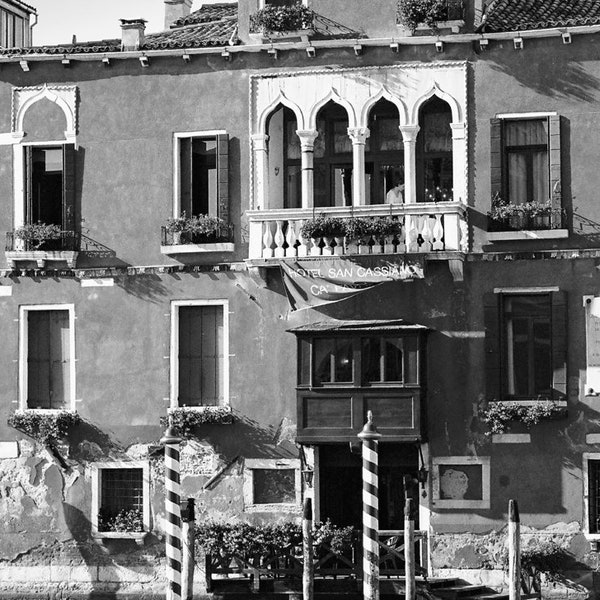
pixel 439 502
pixel 174 351
pixel 23 354
pixel 96 470
pixel 250 464
pixel 586 458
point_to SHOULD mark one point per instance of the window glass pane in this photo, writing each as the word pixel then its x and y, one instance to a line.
pixel 121 500
pixel 411 359
pixel 371 359
pixel 540 176
pixel 333 360
pixel 293 149
pixel 293 196
pixel 342 186
pixel 390 176
pixel 526 133
pixel 303 361
pixel 201 355
pixel 388 135
pixel 321 139
pixel 393 359
pixel 438 178
pixel 274 486
pixel 48 359
pixel 517 177
pixel 45 185
pixel 528 345
pixel 437 134
pixel 204 176
pixel 341 141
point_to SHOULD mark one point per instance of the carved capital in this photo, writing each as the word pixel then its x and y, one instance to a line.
pixel 459 130
pixel 409 132
pixel 307 138
pixel 259 141
pixel 358 135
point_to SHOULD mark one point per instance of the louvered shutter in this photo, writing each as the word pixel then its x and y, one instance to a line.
pixel 223 176
pixel 491 318
pixel 69 187
pixel 496 156
pixel 559 345
pixel 555 168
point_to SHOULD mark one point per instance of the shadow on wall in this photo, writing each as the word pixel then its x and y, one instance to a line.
pixel 145 287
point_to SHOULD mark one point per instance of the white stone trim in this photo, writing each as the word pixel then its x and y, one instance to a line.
pixel 439 502
pixel 64 96
pixel 276 464
pixel 592 438
pixel 526 115
pixel 511 438
pixel 527 290
pixel 23 352
pixel 174 353
pixel 587 456
pixel 96 480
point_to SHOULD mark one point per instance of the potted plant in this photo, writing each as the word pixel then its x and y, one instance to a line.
pixel 205 228
pixel 506 215
pixel 35 235
pixel 281 19
pixel 412 13
pixel 326 229
pixel 539 214
pixel 499 415
pixel 177 226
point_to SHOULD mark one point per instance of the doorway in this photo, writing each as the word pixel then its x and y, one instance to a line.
pixel 340 484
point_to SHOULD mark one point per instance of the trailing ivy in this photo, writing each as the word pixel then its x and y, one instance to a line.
pixel 44 427
pixel 185 420
pixel 412 13
pixel 126 520
pixel 279 19
pixel 499 415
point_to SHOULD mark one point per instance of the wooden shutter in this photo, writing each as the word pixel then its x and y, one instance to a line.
pixel 496 156
pixel 68 187
pixel 554 154
pixel 28 183
pixel 185 176
pixel 559 345
pixel 491 319
pixel 48 359
pixel 223 176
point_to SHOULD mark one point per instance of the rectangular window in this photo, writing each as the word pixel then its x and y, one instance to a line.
pixel 200 354
pixel 526 344
pixel 593 496
pixel 50 185
pixel 120 499
pixel 202 181
pixel 47 358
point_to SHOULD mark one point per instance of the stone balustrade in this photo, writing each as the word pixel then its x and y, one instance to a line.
pixel 425 228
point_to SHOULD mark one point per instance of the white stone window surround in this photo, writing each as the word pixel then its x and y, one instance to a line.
pixel 174 360
pixel 23 353
pixel 586 457
pixel 276 464
pixel 177 137
pixel 357 90
pixel 483 461
pixel 96 470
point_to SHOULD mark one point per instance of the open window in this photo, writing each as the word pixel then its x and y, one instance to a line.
pixel 47 357
pixel 199 354
pixel 120 499
pixel 526 345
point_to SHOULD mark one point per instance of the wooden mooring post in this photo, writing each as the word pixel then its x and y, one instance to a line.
pixel 307 552
pixel 187 549
pixel 514 551
pixel 410 589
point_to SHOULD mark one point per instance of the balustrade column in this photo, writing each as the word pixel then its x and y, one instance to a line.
pixel 409 137
pixel 307 146
pixel 459 157
pixel 260 151
pixel 359 136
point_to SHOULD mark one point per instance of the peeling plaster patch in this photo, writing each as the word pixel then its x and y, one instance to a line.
pixel 9 450
pixel 138 451
pixel 27 448
pixel 199 458
pixel 90 451
pixel 70 478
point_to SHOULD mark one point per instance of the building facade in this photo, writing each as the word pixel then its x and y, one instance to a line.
pixel 452 288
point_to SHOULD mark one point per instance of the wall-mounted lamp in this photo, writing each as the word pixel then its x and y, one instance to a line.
pixel 395 47
pixel 186 58
pixel 106 61
pixel 518 43
pixel 358 49
pixel 484 44
pixel 144 61
pixel 307 477
pixel 439 46
pixel 311 51
pixel 566 38
pixel 24 65
pixel 225 54
pixel 272 52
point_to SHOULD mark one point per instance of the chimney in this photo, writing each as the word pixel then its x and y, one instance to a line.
pixel 175 9
pixel 132 33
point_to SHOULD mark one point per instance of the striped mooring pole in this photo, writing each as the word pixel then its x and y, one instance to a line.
pixel 369 437
pixel 171 441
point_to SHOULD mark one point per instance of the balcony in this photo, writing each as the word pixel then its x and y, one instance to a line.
pixel 63 246
pixel 529 221
pixel 188 242
pixel 436 229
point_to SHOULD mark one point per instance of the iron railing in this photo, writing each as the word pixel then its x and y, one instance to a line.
pixel 223 233
pixel 67 241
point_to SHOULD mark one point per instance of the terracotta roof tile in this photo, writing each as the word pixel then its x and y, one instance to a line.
pixel 217 33
pixel 515 15
pixel 209 12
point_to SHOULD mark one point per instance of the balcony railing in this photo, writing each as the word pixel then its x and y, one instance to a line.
pixel 425 228
pixel 68 241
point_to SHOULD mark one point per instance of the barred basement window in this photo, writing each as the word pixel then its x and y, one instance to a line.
pixel 271 485
pixel 120 499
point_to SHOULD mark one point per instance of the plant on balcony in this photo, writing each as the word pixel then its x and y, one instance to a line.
pixel 186 419
pixel 280 19
pixel 127 520
pixel 44 427
pixel 36 234
pixel 322 226
pixel 412 13
pixel 534 215
pixel 195 229
pixel 499 415
pixel 384 227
